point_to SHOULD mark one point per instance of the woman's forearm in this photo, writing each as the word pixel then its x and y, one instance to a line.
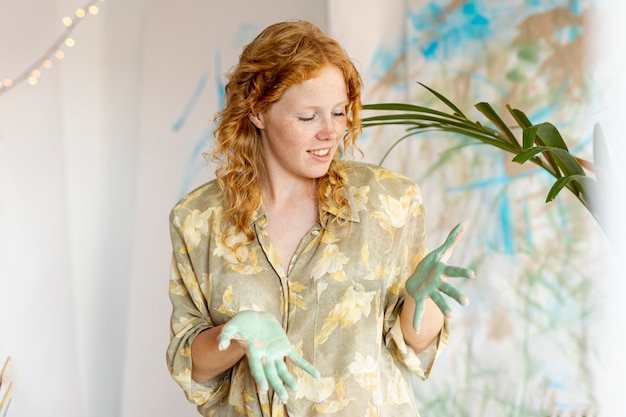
pixel 430 327
pixel 207 360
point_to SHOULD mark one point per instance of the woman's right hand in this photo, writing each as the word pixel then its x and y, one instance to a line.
pixel 267 346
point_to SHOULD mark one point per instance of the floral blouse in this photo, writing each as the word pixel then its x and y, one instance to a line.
pixel 339 301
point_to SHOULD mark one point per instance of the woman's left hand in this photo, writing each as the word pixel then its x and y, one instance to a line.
pixel 430 278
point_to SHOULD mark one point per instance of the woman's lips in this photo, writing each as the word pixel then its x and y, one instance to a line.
pixel 320 152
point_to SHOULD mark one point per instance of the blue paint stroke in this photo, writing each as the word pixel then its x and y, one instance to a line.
pixel 219 82
pixel 543 113
pixel 449 31
pixel 441 33
pixel 385 58
pixel 507 234
pixel 502 179
pixel 576 7
pixel 193 166
pixel 506 237
pixel 482 81
pixel 568 33
pixel 527 224
pixel 385 61
pixel 191 103
pixel 195 163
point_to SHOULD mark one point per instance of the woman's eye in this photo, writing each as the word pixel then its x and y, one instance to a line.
pixel 306 119
pixel 339 114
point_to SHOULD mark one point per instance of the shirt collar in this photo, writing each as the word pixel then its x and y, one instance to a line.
pixel 260 216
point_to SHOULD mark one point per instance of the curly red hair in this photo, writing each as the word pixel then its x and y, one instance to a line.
pixel 282 55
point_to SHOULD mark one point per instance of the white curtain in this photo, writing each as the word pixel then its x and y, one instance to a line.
pixel 68 179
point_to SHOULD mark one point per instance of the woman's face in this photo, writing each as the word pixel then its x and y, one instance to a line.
pixel 301 131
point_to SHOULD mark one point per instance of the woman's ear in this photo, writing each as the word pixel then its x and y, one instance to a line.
pixel 256 119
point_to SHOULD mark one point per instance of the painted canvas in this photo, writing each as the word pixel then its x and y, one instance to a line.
pixel 525 345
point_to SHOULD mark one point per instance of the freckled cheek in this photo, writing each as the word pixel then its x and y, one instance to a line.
pixel 287 133
pixel 340 128
pixel 299 134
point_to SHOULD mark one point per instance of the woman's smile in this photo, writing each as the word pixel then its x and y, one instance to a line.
pixel 320 152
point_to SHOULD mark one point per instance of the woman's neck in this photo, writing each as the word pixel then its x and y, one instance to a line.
pixel 281 193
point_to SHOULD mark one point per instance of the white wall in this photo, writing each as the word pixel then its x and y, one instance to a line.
pixel 89 168
pixel 610 110
pixel 37 313
pixel 188 46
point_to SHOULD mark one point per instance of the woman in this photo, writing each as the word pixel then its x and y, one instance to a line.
pixel 299 281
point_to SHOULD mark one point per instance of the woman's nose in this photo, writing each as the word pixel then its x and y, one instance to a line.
pixel 329 129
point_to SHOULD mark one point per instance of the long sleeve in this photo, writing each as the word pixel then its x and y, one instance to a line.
pixel 412 243
pixel 190 316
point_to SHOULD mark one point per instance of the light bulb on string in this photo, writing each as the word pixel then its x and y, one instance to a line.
pixel 34 73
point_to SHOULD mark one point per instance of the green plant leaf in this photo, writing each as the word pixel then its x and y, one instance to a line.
pixel 420 120
pixel 410 108
pixel 549 135
pixel 490 113
pixel 545 134
pixel 587 186
pixel 447 102
pixel 567 163
pixel 529 135
pixel 497 141
pixel 413 117
pixel 542 143
pixel 522 120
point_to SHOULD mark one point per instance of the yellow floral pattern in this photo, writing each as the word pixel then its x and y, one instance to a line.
pixel 347 312
pixel 338 300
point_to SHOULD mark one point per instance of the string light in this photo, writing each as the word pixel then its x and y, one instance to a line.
pixel 32 74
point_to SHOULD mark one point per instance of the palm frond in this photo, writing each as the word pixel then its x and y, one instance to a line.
pixel 541 143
